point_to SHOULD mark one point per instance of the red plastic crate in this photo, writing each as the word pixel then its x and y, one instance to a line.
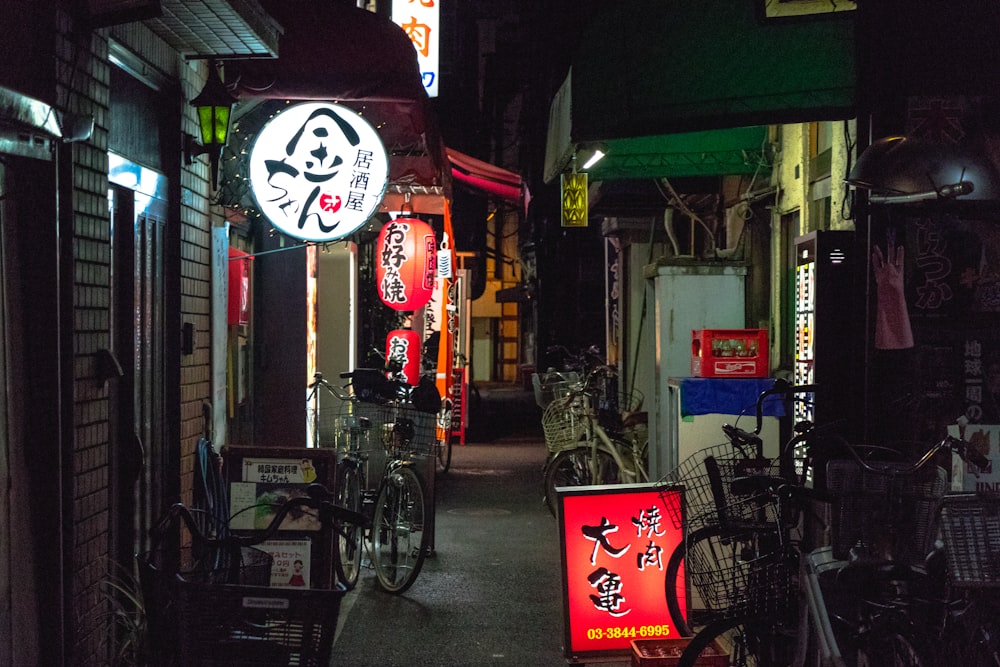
pixel 729 353
pixel 667 653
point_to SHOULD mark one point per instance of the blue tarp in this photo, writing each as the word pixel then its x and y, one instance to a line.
pixel 728 396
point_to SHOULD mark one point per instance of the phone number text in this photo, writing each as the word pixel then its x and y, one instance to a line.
pixel 629 632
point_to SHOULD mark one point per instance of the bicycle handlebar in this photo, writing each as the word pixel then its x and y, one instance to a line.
pixel 958 446
pixel 320 381
pixel 319 498
pixel 780 387
pixel 743 438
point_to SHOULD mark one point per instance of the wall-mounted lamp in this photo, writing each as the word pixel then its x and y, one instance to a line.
pixel 214 105
pixel 598 153
pixel 900 170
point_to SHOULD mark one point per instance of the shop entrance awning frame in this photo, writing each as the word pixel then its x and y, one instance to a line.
pixel 690 88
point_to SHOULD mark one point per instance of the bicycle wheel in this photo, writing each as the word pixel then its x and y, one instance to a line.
pixel 442 450
pixel 889 647
pixel 982 647
pixel 743 639
pixel 703 541
pixel 399 541
pixel 350 538
pixel 572 468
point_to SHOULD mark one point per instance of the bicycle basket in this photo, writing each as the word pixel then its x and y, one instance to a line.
pixel 161 571
pixel 883 515
pixel 611 411
pixel 564 423
pixel 742 569
pixel 552 385
pixel 706 478
pixel 251 626
pixel 406 431
pixel 201 613
pixel 970 530
pixel 350 427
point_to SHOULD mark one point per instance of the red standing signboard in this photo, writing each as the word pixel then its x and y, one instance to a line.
pixel 616 541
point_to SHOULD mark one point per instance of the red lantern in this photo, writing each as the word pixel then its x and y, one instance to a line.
pixel 403 346
pixel 406 263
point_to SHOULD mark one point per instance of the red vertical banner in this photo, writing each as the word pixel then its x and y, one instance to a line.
pixel 459 405
pixel 616 541
pixel 238 311
pixel 447 318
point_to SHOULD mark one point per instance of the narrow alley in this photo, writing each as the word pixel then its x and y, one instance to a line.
pixel 491 595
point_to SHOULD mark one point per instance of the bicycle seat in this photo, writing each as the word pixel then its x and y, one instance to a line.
pixel 864 574
pixel 371 385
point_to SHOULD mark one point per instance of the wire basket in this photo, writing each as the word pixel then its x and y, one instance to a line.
pixel 970 530
pixel 349 427
pixel 404 431
pixel 624 401
pixel 610 412
pixel 886 515
pixel 216 608
pixel 741 568
pixel 706 479
pixel 564 422
pixel 249 626
pixel 552 385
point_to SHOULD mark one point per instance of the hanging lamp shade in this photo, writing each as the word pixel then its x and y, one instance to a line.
pixel 901 170
pixel 403 346
pixel 406 263
pixel 214 105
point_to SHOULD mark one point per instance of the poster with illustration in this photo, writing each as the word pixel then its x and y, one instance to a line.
pixel 266 485
pixel 985 439
pixel 290 566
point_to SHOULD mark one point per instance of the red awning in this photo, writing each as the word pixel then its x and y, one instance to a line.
pixel 485 176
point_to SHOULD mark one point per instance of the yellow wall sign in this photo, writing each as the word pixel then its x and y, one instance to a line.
pixel 573 189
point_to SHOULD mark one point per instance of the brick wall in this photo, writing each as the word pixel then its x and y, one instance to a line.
pixel 82 87
pixel 83 75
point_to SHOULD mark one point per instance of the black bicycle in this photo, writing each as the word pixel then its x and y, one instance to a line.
pixel 773 588
pixel 380 435
pixel 213 603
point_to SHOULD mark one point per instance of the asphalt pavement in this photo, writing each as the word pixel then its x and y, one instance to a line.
pixel 491 593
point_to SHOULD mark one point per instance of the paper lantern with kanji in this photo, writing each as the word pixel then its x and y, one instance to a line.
pixel 406 263
pixel 403 345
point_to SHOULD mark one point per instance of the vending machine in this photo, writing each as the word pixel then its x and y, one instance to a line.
pixel 830 328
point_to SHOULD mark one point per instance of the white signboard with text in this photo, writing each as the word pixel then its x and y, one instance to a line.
pixel 318 171
pixel 421 20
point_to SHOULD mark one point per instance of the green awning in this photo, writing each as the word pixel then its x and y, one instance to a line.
pixel 738 150
pixel 687 87
pixel 663 66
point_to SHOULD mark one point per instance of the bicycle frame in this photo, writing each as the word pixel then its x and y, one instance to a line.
pixel 631 465
pixel 397 540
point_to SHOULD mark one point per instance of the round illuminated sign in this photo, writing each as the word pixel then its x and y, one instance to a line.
pixel 318 171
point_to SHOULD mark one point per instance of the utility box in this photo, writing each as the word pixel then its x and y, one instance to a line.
pixel 689 295
pixel 722 353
